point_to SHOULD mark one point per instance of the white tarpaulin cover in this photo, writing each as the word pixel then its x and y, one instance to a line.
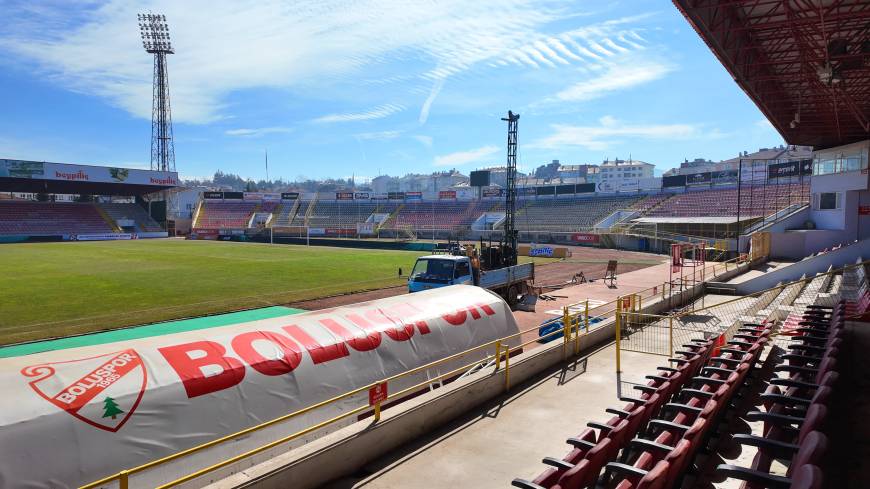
pixel 72 416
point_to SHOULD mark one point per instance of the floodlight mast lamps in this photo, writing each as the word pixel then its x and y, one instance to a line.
pixel 155 39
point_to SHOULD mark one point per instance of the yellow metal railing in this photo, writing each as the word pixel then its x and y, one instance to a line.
pixel 574 326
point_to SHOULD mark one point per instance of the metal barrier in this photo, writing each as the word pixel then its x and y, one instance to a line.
pixel 575 325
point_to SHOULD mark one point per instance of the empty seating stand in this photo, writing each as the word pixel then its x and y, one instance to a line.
pixel 796 407
pixel 142 222
pixel 50 218
pixel 755 201
pixel 225 215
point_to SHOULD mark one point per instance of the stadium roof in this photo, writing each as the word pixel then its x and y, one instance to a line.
pixel 806 65
pixel 62 178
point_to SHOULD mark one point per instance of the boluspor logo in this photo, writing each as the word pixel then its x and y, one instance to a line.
pixel 102 391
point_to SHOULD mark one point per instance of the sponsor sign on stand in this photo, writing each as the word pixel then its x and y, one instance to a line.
pixel 365 228
pixel 542 251
pixel 585 238
pixel 492 192
pixel 864 210
pixel 101 237
pixel 212 195
pixel 134 401
pixel 361 196
pixel 344 196
pixel 447 194
pixel 316 231
pixel 413 195
pixel 85 173
pixel 289 195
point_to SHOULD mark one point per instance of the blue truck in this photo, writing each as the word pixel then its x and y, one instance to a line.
pixel 433 271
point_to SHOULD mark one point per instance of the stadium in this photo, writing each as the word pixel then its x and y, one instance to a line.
pixel 607 328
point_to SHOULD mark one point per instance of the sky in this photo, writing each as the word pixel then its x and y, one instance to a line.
pixel 340 88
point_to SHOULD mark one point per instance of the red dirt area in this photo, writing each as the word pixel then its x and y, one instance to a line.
pixel 591 261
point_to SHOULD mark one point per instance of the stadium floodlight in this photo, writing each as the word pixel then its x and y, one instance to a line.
pixel 154 32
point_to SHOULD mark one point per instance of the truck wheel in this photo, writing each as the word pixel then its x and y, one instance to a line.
pixel 512 295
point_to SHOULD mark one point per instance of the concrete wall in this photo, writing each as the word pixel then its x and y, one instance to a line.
pixel 810 266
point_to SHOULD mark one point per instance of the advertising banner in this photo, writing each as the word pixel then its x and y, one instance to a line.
pixel 541 251
pixel 396 195
pixel 629 185
pixel 753 174
pixel 204 233
pixel 289 195
pixel 212 195
pixel 85 173
pixel 724 176
pixel 252 196
pixel 864 210
pixel 584 188
pixel 548 190
pixel 606 187
pixel 650 183
pixel 674 181
pixel 447 194
pixel 380 196
pixel 527 191
pixel 316 231
pixel 134 401
pixel 271 196
pixel 365 228
pixel 807 167
pixel 492 192
pixel 344 196
pixel 586 238
pixel 564 189
pixel 361 196
pixel 234 195
pixel 696 179
pixel 101 237
pixel 413 195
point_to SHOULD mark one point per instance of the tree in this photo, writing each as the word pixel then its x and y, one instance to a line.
pixel 110 408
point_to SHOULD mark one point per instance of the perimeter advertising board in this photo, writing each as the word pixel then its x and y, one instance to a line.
pixel 344 196
pixel 361 196
pixel 492 192
pixel 95 410
pixel 585 238
pixel 413 195
pixel 446 194
pixel 212 195
pixel 289 195
pixel 85 173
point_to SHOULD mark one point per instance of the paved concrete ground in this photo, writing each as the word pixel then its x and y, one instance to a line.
pixel 598 291
pixel 759 271
pixel 509 436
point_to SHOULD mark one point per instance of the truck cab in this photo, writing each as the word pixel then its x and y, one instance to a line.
pixel 434 271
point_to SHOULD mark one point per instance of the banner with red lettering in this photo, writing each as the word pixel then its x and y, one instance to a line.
pixel 95 410
pixel 585 238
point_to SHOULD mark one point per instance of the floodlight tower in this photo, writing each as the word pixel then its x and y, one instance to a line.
pixel 155 39
pixel 510 231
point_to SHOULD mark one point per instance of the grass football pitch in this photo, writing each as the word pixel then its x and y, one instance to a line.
pixel 60 289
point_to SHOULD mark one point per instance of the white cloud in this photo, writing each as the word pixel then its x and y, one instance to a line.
pixel 616 77
pixel 261 131
pixel 424 140
pixel 224 46
pixel 427 105
pixel 378 135
pixel 465 157
pixel 764 124
pixel 378 112
pixel 608 131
